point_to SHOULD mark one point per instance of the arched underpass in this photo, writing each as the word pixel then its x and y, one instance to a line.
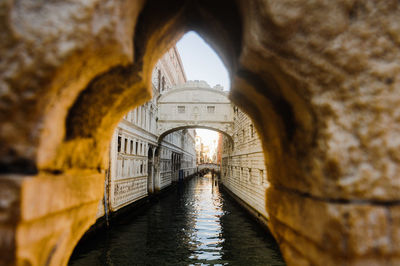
pixel 319 80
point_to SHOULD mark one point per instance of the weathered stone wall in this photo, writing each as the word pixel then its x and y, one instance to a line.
pixel 319 78
pixel 329 72
pixel 243 169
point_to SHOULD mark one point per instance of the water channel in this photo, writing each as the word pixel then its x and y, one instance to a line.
pixel 194 224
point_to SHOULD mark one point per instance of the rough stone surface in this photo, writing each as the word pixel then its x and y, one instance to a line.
pixel 53 50
pixel 319 79
pixel 331 232
pixel 43 217
pixel 335 64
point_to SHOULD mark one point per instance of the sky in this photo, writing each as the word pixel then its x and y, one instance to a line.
pixel 202 63
pixel 207 136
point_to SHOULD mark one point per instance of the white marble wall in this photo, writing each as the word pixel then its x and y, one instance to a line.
pixel 136 137
pixel 243 169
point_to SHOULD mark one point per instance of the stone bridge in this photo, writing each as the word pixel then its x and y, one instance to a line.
pixel 195 105
pixel 209 166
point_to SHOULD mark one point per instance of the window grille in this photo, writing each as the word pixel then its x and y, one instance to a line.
pixel 181 109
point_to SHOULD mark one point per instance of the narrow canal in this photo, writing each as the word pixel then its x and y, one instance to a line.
pixel 195 224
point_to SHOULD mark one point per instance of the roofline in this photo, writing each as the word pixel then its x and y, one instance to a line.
pixel 179 89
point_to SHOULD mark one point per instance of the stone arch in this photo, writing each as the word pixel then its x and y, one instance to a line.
pixel 183 127
pixel 195 104
pixel 304 101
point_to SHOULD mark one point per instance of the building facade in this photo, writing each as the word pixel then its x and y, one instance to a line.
pixel 140 163
pixel 243 169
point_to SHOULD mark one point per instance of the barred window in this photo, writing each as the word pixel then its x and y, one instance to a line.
pixel 181 109
pixel 210 109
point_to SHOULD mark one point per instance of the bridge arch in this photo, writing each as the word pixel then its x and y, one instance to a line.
pixel 161 137
pixel 195 105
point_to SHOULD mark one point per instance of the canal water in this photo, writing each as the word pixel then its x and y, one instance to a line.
pixel 194 224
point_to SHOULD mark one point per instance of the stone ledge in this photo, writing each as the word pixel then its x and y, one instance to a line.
pixel 51 239
pixel 58 193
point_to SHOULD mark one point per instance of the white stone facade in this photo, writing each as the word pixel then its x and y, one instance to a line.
pixel 243 169
pixel 139 163
pixel 144 159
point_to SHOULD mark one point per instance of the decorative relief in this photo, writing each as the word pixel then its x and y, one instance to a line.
pixel 129 190
pixel 165 179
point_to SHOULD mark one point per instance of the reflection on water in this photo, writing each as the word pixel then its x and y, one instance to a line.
pixel 195 225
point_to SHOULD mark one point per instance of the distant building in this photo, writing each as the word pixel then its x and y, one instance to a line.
pixel 206 153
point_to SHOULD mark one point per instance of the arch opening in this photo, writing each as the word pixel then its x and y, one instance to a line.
pixel 175 159
pixel 300 99
pixel 161 137
pixel 99 127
